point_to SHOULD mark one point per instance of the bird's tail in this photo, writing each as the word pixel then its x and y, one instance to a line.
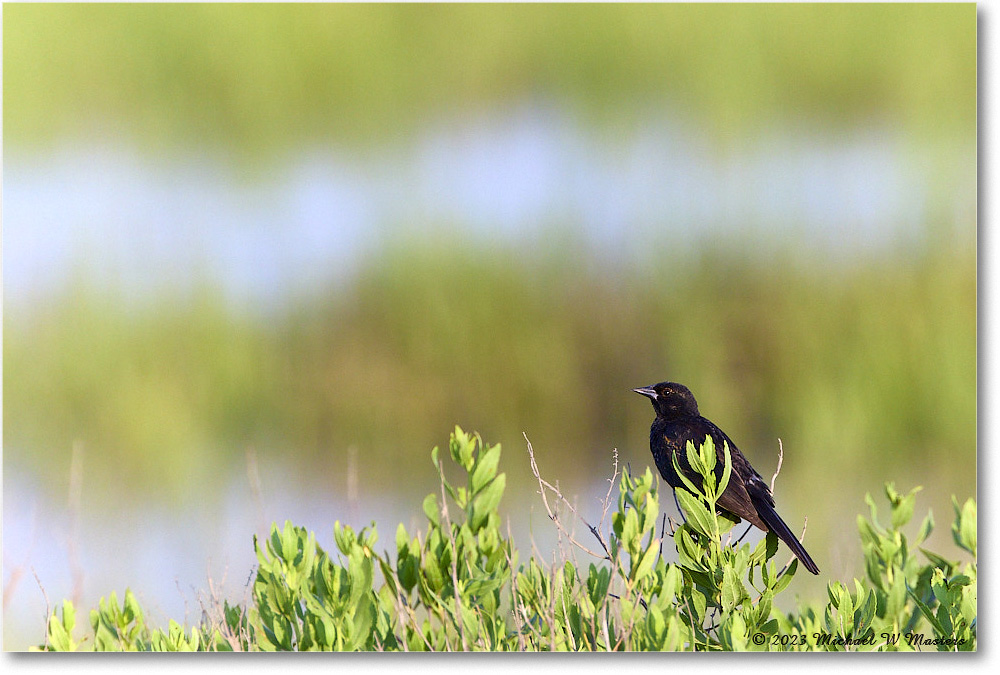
pixel 777 525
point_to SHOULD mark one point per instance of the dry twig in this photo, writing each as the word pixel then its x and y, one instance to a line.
pixel 454 562
pixel 48 610
pixel 781 456
pixel 554 517
pixel 805 521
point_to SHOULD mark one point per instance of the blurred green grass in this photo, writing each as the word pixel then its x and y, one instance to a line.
pixel 255 80
pixel 867 375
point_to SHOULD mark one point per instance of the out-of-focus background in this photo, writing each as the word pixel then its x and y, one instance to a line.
pixel 258 260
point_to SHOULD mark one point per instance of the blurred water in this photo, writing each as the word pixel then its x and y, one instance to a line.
pixel 143 223
pixel 146 224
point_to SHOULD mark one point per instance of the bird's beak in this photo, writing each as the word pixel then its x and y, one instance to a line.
pixel 646 391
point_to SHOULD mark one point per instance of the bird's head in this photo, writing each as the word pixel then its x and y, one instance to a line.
pixel 670 399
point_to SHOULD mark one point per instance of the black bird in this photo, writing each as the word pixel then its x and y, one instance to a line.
pixel 747 495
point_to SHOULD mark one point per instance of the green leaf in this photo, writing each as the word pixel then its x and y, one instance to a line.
pixel 926 527
pixel 867 530
pixel 646 563
pixel 674 637
pixel 739 633
pixel 677 468
pixel 432 510
pixel 696 511
pixel 68 615
pixel 455 445
pixel 763 609
pixel 361 626
pixel 693 454
pixel 487 501
pixel 361 573
pixel 769 627
pixel 486 468
pixel 786 578
pixel 969 605
pixel 402 539
pixel 480 586
pixel 873 509
pixel 59 638
pixel 940 587
pixel 688 551
pixel 470 621
pixel 766 549
pixel 630 531
pixel 939 561
pixel 865 613
pixel 655 623
pixel 733 591
pixel 462 446
pixel 926 611
pixel 700 603
pixel 767 573
pixel 598 580
pixel 964 528
pixel 673 582
pixel 706 453
pixel 902 507
pixel 344 537
pixel 839 597
pixel 133 612
pixel 727 468
pixel 771 542
pixel 896 597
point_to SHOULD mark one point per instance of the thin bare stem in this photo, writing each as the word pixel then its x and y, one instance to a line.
pixel 554 517
pixel 405 610
pixel 48 607
pixel 678 505
pixel 805 523
pixel 569 631
pixel 611 486
pixel 604 626
pixel 515 602
pixel 745 533
pixel 663 531
pixel 454 562
pixel 215 612
pixel 781 456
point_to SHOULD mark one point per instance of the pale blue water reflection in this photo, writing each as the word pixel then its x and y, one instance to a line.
pixel 143 223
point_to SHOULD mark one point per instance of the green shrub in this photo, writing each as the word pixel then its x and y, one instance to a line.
pixel 459 584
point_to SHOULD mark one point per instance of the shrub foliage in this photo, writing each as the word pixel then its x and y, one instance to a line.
pixel 460 584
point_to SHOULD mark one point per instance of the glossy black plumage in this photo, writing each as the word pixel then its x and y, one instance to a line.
pixel 747 495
